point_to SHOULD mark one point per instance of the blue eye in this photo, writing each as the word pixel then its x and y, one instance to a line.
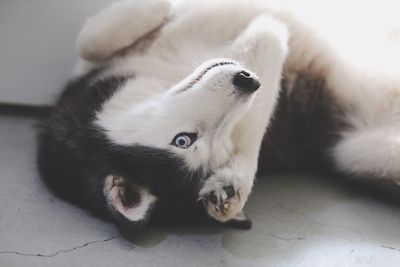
pixel 184 140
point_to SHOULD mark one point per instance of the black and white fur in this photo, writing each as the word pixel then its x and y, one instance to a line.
pixel 153 70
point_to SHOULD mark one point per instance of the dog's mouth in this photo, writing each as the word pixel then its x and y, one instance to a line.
pixel 196 79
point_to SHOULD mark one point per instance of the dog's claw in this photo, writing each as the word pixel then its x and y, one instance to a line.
pixel 221 203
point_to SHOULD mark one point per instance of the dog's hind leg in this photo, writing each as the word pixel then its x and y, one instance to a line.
pixel 262 48
pixel 119 26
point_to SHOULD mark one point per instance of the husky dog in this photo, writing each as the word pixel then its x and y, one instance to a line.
pixel 166 114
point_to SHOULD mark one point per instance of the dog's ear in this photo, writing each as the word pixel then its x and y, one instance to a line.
pixel 132 202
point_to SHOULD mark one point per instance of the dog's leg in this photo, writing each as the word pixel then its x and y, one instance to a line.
pixel 370 153
pixel 119 26
pixel 262 48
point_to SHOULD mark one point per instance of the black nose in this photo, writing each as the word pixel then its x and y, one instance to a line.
pixel 245 82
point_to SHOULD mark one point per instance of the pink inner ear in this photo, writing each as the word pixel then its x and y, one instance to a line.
pixel 133 204
pixel 139 210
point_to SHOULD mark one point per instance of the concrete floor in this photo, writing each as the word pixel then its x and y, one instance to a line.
pixel 298 220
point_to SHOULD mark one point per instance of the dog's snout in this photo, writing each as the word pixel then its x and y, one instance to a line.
pixel 246 82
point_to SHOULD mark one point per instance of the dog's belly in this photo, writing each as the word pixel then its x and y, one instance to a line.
pixel 306 125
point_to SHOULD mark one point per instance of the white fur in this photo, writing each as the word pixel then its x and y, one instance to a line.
pixel 146 110
pixel 370 152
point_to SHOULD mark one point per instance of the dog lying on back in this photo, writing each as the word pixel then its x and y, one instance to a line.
pixel 166 114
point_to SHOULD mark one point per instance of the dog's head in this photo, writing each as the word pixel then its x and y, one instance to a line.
pixel 166 145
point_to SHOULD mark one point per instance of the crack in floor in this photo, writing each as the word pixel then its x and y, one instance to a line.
pixel 288 239
pixel 57 252
pixel 391 248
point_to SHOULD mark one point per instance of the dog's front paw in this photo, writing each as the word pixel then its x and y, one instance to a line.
pixel 224 194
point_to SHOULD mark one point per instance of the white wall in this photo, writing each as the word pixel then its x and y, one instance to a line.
pixel 37 46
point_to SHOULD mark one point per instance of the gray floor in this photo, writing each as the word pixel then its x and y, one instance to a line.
pixel 299 220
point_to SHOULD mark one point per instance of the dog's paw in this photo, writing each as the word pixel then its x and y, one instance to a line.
pixel 224 194
pixel 119 26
